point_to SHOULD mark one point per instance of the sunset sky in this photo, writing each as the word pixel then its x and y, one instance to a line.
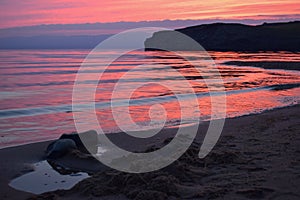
pixel 15 13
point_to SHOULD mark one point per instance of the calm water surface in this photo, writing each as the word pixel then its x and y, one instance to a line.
pixel 36 89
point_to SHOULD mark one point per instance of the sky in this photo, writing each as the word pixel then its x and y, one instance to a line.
pixel 15 13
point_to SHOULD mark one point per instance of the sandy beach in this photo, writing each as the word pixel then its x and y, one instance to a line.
pixel 257 157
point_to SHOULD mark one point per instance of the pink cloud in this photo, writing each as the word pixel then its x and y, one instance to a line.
pixel 32 12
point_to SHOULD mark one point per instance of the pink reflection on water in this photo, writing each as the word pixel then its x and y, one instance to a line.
pixel 45 78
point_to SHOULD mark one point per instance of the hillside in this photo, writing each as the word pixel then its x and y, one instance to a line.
pixel 232 37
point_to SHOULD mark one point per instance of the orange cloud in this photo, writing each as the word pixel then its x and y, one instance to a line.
pixel 33 12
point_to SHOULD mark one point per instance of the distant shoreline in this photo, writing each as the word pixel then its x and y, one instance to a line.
pixel 278 36
pixel 287 65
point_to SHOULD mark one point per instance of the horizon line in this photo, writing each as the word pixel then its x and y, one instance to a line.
pixel 259 21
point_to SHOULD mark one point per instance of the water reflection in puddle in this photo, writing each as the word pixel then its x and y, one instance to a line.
pixel 46 179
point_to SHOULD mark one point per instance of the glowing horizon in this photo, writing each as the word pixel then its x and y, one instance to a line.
pixel 26 13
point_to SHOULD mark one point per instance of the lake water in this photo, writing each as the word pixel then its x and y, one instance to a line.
pixel 36 89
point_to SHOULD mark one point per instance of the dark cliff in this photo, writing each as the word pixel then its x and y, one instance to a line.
pixel 232 37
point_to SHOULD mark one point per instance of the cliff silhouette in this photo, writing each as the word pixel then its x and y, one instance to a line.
pixel 232 37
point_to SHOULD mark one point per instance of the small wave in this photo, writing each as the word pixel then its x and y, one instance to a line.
pixel 23 112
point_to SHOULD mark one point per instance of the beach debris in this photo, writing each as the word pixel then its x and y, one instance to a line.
pixel 59 148
pixel 86 141
pixel 184 179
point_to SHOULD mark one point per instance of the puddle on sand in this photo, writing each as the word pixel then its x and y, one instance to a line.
pixel 45 179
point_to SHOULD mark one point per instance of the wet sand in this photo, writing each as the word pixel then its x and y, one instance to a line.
pixel 257 157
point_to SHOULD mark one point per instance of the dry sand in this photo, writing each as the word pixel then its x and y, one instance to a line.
pixel 257 157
